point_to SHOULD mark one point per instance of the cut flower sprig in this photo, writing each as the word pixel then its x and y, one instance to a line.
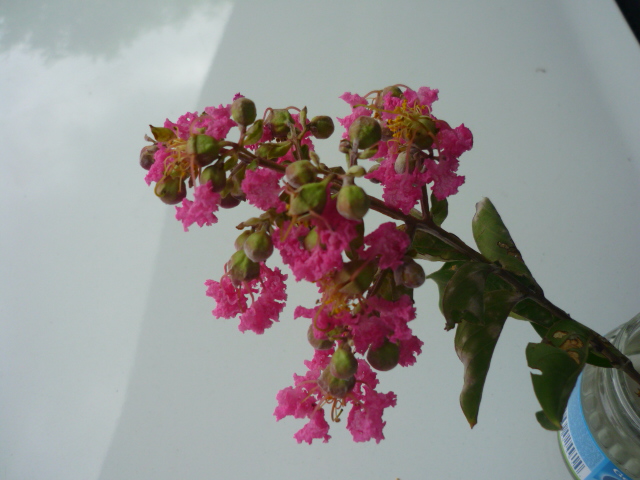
pixel 314 215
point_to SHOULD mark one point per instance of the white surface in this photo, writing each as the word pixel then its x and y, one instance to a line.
pixel 111 364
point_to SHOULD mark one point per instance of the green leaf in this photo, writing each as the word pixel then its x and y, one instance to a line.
pixel 439 210
pixel 559 372
pixel 432 248
pixel 544 421
pixel 475 345
pixel 442 277
pixel 495 242
pixel 528 309
pixel 463 297
pixel 254 133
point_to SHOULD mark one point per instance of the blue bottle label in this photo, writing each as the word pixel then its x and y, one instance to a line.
pixel 583 455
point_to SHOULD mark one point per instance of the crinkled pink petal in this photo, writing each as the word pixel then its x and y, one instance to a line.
pixel 409 350
pixel 229 301
pixel 199 211
pixel 262 188
pixel 386 243
pixel 400 190
pixel 218 121
pixel 161 159
pixel 453 141
pixel 365 419
pixel 267 307
pixel 317 427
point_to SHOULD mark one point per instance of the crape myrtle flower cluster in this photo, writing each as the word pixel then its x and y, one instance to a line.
pixel 313 215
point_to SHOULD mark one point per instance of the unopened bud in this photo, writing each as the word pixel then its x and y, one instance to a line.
pixel 343 363
pixel 241 268
pixel 344 146
pixel 300 173
pixel 243 111
pixel 424 132
pixel 171 190
pixel 146 156
pixel 311 240
pixel 355 277
pixel 205 149
pixel 278 121
pixel 239 243
pixel 229 201
pixel 318 343
pixel 336 387
pixel 356 171
pixel 394 90
pixel 321 127
pixel 385 357
pixel 365 131
pixel 400 165
pixel 258 246
pixel 310 197
pixel 214 174
pixel 353 202
pixel 410 274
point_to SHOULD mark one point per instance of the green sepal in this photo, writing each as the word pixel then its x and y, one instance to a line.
pixel 495 242
pixel 273 150
pixel 431 248
pixel 162 134
pixel 387 288
pixel 439 210
pixel 254 132
pixel 559 373
pixel 463 297
pixel 475 345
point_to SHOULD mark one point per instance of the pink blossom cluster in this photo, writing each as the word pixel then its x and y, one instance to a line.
pixel 322 245
pixel 437 166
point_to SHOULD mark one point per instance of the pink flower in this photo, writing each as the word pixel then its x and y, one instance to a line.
pixel 199 211
pixel 365 418
pixel 161 158
pixel 183 125
pixel 400 190
pixel 232 301
pixel 453 141
pixel 217 122
pixel 386 243
pixel 262 188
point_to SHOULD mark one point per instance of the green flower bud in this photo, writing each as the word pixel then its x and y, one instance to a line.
pixel 258 246
pixel 353 202
pixel 395 91
pixel 243 111
pixel 424 132
pixel 336 387
pixel 400 165
pixel 343 363
pixel 385 357
pixel 344 146
pixel 146 156
pixel 214 174
pixel 171 190
pixel 278 120
pixel 321 127
pixel 205 149
pixel 300 173
pixel 356 277
pixel 366 131
pixel 356 171
pixel 229 201
pixel 239 243
pixel 311 240
pixel 242 269
pixel 318 343
pixel 410 274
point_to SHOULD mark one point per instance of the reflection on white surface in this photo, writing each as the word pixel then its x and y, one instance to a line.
pixel 80 231
pixel 92 293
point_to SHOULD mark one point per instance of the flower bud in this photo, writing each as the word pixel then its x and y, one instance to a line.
pixel 309 197
pixel 356 171
pixel 318 343
pixel 239 243
pixel 229 201
pixel 321 127
pixel 385 357
pixel 336 387
pixel 171 190
pixel 278 121
pixel 205 149
pixel 311 240
pixel 365 131
pixel 410 274
pixel 300 173
pixel 355 277
pixel 372 169
pixel 243 111
pixel 344 146
pixel 146 156
pixel 258 246
pixel 424 132
pixel 353 202
pixel 242 269
pixel 343 363
pixel 254 133
pixel 400 165
pixel 394 90
pixel 214 174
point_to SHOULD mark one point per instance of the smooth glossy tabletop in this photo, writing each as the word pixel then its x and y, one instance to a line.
pixel 111 365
